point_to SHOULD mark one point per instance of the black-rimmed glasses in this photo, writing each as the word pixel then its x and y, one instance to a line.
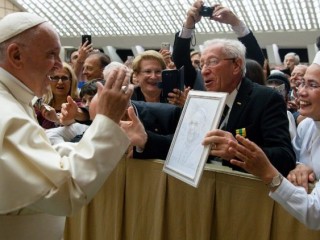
pixel 57 78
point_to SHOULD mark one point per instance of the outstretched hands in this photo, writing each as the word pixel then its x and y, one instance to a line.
pixel 113 98
pixel 251 158
pixel 68 111
pixel 49 113
pixel 134 129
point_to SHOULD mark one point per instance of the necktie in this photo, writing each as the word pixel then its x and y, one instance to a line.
pixel 222 122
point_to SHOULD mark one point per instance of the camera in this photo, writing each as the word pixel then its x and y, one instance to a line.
pixel 206 11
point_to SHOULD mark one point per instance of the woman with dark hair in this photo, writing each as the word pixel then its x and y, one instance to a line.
pixel 254 72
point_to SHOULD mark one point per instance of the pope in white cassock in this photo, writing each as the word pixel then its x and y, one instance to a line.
pixel 40 184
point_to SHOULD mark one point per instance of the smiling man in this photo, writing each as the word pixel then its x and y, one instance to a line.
pixel 94 65
pixel 255 110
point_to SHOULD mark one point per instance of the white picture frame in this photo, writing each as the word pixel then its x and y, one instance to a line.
pixel 187 156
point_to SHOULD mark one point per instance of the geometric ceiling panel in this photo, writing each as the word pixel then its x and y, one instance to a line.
pixel 73 18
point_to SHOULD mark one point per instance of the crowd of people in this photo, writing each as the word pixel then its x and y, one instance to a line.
pixel 61 139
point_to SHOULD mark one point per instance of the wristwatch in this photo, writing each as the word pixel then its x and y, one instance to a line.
pixel 276 181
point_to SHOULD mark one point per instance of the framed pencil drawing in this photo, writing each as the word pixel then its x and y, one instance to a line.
pixel 187 156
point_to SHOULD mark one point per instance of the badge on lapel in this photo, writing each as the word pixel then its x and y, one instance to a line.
pixel 242 132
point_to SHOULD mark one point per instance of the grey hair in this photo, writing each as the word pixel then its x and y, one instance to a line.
pixel 112 66
pixel 296 57
pixel 231 48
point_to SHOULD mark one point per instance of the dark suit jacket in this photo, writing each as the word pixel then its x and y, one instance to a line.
pixel 160 121
pixel 257 109
pixel 138 95
pixel 181 56
pixel 253 50
pixel 263 113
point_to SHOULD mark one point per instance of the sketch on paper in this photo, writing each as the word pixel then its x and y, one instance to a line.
pixel 187 155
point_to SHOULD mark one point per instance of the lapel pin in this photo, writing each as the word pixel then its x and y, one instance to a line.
pixel 242 132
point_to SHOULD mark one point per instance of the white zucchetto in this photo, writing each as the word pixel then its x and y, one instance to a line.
pixel 15 23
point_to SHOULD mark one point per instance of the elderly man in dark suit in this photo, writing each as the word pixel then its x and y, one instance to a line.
pixel 255 111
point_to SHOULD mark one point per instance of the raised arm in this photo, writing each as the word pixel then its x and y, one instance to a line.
pixel 225 15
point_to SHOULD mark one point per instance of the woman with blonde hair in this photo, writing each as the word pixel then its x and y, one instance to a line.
pixel 147 68
pixel 63 83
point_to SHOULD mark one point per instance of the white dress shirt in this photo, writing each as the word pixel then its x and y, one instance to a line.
pixel 38 178
pixel 65 133
pixel 240 30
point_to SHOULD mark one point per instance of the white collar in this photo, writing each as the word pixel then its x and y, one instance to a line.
pixel 232 96
pixel 16 87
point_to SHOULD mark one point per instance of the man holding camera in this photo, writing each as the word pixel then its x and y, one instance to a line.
pixel 181 48
pixel 256 111
pixel 220 14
